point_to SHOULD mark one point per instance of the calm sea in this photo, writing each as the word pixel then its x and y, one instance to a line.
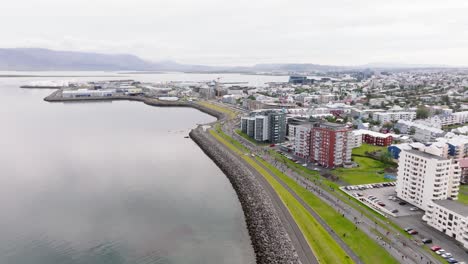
pixel 96 183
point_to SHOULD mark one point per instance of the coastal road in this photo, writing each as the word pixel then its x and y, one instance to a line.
pixel 304 251
pixel 399 247
pixel 337 238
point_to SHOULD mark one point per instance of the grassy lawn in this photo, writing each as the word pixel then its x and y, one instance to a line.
pixel 229 139
pixel 361 151
pixel 369 171
pixel 244 135
pixel 230 113
pixel 314 175
pixel 463 194
pixel 361 244
pixel 325 248
pixel 323 245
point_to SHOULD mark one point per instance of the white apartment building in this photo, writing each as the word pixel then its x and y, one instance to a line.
pixel 450 218
pixel 302 140
pixel 461 117
pixel 423 177
pixel 393 116
pixel 448 118
pixel 422 132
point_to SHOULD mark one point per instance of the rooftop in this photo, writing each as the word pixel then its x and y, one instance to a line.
pixel 453 206
pixel 424 154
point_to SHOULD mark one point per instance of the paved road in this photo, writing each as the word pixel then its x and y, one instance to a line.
pixel 402 248
pixel 316 216
pixel 398 246
pixel 303 249
pixel 440 239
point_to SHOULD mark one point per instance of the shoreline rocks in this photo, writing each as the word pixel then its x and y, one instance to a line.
pixel 269 239
pixel 268 236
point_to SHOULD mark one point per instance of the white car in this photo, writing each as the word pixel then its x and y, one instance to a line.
pixel 446 255
pixel 440 252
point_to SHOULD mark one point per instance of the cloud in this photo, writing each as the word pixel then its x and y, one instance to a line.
pixel 246 32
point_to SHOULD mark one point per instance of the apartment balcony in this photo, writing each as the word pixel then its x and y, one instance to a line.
pixel 465 235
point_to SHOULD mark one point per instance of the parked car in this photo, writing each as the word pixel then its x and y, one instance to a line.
pixel 446 255
pixel 426 240
pixel 272 145
pixel 402 203
pixel 381 204
pixel 414 209
pixel 407 229
pixel 394 211
pixel 413 232
pixel 452 260
pixel 435 248
pixel 440 251
pixel 390 197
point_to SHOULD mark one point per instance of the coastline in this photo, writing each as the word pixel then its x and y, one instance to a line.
pixel 52 98
pixel 268 236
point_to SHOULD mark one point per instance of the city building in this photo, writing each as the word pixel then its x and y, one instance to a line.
pixel 424 177
pixel 422 132
pixel 267 125
pixel 393 116
pixel 300 80
pixel 372 137
pixel 449 217
pixel 464 170
pixel 302 140
pixel 331 145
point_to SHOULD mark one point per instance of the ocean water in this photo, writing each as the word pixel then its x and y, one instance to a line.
pixel 112 182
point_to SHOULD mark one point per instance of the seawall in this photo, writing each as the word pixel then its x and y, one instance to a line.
pixel 56 97
pixel 270 241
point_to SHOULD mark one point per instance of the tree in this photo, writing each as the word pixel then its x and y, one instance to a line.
pixel 446 99
pixel 388 125
pixel 412 131
pixel 396 130
pixel 251 97
pixel 422 112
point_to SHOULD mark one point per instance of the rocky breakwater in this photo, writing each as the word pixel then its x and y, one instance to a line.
pixel 270 241
pixel 56 96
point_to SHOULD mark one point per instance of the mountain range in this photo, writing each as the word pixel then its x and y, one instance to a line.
pixel 38 59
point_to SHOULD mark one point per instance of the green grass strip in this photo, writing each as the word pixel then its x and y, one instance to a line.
pixel 363 246
pixel 231 113
pixel 325 248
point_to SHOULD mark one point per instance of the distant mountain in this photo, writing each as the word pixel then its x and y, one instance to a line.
pixel 37 59
pixel 44 59
pixel 394 65
pixel 304 67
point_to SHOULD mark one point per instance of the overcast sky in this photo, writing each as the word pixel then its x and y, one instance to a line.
pixel 245 32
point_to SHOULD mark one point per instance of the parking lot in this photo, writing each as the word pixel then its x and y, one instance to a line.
pixel 377 197
pixel 407 216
